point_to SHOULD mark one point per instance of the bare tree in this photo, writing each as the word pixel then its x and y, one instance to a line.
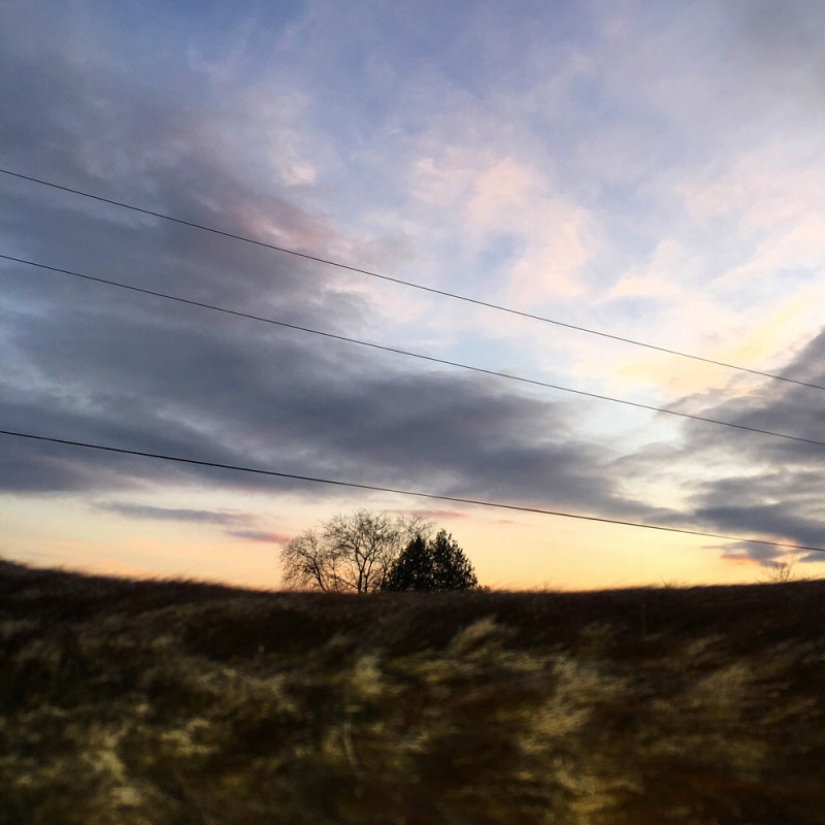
pixel 779 572
pixel 309 562
pixel 350 553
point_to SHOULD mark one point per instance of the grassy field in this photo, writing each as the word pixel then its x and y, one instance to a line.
pixel 181 703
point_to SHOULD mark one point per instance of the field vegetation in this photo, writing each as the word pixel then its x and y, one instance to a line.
pixel 124 703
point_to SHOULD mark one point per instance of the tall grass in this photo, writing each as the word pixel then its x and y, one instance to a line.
pixel 173 702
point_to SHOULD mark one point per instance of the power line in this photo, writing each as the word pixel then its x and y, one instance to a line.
pixel 407 353
pixel 411 284
pixel 417 493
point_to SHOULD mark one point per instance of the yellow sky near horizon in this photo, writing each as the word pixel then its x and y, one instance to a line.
pixel 510 551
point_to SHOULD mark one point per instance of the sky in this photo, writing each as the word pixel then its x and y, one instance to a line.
pixel 649 170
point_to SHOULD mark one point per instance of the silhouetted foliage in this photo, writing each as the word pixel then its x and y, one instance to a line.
pixel 412 570
pixel 431 566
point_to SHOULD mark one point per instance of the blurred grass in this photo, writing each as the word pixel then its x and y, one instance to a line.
pixel 177 702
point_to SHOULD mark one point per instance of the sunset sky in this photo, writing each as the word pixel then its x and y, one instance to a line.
pixel 651 170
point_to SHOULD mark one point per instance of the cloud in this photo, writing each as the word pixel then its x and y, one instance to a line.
pixel 238 525
pixel 749 553
pixel 262 536
pixel 745 483
pixel 433 514
pixel 141 511
pixel 503 198
pixel 223 394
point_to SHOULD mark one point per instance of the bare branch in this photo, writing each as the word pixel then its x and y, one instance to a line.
pixel 307 562
pixel 349 553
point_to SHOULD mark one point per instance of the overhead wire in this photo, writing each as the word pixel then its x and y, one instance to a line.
pixel 788 546
pixel 411 284
pixel 432 359
pixel 409 354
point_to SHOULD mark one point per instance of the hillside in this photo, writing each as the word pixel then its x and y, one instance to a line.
pixel 181 703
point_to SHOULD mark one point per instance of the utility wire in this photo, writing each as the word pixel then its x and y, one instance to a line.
pixel 432 359
pixel 420 356
pixel 412 284
pixel 417 493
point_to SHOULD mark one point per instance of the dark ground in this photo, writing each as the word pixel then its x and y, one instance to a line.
pixel 181 703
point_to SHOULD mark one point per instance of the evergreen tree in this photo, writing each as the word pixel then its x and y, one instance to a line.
pixel 412 570
pixel 431 566
pixel 451 569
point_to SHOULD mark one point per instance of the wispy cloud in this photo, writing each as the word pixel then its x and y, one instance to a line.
pixel 238 525
pixel 261 536
pixel 141 511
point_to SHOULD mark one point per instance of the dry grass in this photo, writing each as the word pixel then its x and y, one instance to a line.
pixel 177 703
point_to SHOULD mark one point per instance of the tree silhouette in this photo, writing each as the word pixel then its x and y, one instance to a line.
pixel 412 570
pixel 349 554
pixel 431 566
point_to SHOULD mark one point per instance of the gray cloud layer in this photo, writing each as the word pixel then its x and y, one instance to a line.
pixel 755 484
pixel 91 363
